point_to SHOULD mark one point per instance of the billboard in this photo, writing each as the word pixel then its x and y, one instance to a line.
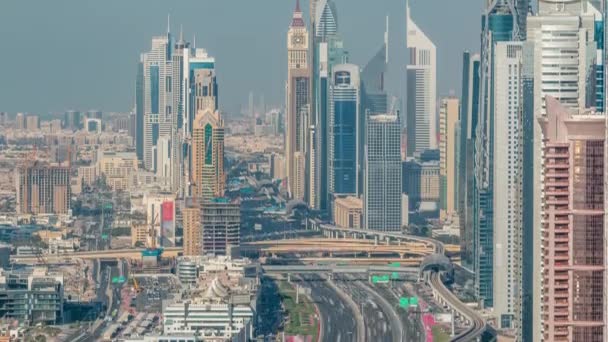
pixel 167 223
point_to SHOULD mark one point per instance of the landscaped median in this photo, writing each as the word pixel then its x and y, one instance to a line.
pixel 302 319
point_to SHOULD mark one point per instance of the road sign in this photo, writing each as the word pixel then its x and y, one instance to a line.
pixel 121 279
pixel 405 302
pixel 104 236
pixel 380 279
pixel 414 301
pixel 395 264
pixel 114 280
pixel 395 275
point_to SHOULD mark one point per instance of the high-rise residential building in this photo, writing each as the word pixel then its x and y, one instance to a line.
pixel 421 90
pixel 20 122
pixel 469 107
pixel 163 161
pixel 200 94
pixel 118 168
pixel 298 103
pixel 344 131
pixel 448 125
pixel 277 166
pixel 208 180
pixel 559 29
pixel 382 189
pixel 507 190
pixel 157 95
pixel 72 120
pixel 42 189
pixel 327 51
pixel 191 218
pixel 598 91
pixel 421 181
pixel 499 23
pixel 573 234
pixel 139 109
pixel 220 223
pixel 178 166
pixel 32 123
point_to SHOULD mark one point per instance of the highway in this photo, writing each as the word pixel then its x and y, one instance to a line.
pixel 438 246
pixel 338 269
pixel 381 321
pixel 338 319
pixel 478 325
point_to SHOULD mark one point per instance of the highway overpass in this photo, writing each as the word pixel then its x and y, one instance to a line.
pixel 133 253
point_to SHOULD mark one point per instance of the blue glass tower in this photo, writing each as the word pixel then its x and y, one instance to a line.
pixel 498 24
pixel 343 131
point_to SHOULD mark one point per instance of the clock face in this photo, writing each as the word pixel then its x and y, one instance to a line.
pixel 297 39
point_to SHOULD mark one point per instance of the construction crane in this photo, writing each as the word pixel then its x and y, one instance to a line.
pixel 152 233
pixel 136 285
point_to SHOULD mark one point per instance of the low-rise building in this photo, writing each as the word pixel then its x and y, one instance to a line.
pixel 348 212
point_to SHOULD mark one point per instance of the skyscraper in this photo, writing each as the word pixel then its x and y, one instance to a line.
pixel 375 100
pixel 421 90
pixel 469 108
pixel 507 186
pixel 298 98
pixel 208 180
pixel 573 260
pixel 327 51
pixel 221 225
pixel 157 95
pixel 382 194
pixel 448 124
pixel 498 24
pixel 201 95
pixel 163 161
pixel 139 109
pixel 343 129
pixel 42 189
pixel 564 30
pixel 181 52
pixel 72 120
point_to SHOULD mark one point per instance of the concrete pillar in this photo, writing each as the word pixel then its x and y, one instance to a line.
pixel 401 255
pixel 289 277
pixel 376 240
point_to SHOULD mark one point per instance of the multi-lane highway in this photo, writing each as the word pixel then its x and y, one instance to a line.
pixel 381 322
pixel 338 319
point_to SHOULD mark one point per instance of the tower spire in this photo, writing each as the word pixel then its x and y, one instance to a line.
pixel 194 41
pixel 168 23
pixel 181 32
pixel 297 16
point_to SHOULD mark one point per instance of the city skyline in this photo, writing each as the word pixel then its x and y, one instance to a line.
pixel 129 35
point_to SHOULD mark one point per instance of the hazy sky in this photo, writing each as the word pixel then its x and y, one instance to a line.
pixel 82 54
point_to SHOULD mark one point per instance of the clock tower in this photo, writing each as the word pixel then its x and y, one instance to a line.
pixel 297 106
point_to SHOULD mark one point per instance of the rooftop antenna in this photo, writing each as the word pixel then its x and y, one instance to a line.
pixel 168 23
pixel 386 42
pixel 194 42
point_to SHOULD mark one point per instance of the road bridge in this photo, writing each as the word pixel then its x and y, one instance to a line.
pixel 339 246
pixel 134 253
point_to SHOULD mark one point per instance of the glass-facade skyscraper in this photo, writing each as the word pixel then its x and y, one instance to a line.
pixel 343 131
pixel 382 185
pixel 497 25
